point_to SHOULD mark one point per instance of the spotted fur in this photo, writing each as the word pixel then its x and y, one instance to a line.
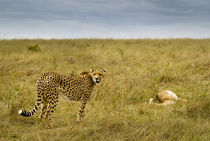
pixel 51 85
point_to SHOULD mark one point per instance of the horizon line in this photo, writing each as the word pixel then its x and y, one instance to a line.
pixel 111 38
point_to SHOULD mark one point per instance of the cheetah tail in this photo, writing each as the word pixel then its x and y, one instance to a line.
pixel 31 113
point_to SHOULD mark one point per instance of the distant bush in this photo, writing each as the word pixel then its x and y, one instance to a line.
pixel 34 48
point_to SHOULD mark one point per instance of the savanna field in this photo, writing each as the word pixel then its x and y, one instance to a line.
pixel 118 110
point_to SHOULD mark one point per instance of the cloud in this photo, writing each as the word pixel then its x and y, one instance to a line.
pixel 104 18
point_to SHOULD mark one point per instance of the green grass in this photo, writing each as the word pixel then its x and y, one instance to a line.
pixel 137 70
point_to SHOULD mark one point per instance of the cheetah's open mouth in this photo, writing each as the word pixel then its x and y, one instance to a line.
pixel 97 81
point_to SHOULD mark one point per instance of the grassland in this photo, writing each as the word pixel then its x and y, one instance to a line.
pixel 137 70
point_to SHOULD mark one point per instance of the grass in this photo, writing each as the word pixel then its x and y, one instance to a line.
pixel 137 70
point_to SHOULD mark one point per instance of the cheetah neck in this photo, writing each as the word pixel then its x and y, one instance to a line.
pixel 89 80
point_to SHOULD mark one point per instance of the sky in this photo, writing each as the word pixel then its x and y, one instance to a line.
pixel 124 19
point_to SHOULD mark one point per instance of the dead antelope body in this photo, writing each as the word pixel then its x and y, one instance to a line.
pixel 165 97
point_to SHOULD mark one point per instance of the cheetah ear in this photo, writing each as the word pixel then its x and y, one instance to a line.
pixel 104 70
pixel 91 70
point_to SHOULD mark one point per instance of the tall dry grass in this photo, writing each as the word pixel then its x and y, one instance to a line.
pixel 137 70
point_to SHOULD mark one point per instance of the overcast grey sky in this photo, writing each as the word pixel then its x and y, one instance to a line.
pixel 104 19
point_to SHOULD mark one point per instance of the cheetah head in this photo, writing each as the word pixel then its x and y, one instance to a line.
pixel 97 75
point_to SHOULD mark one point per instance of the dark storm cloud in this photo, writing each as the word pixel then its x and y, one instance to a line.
pixel 102 15
pixel 184 8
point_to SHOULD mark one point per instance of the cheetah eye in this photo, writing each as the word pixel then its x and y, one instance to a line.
pixel 100 74
pixel 94 74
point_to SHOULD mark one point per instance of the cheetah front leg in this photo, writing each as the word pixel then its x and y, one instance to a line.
pixel 81 112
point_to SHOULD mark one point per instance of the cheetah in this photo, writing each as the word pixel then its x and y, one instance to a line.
pixel 51 85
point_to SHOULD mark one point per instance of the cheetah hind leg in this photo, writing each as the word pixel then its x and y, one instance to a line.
pixel 50 109
pixel 43 109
